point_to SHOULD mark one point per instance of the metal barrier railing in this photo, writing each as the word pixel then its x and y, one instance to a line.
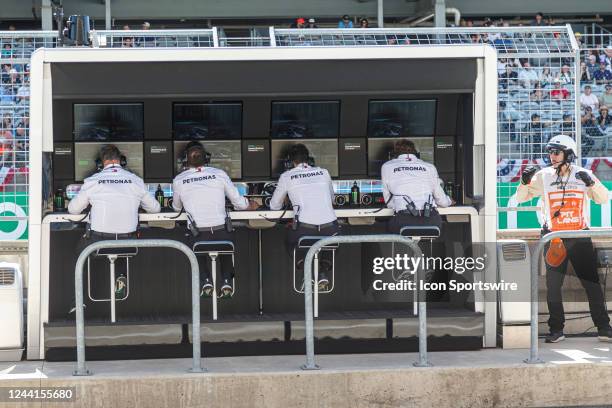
pixel 358 239
pixel 154 38
pixel 136 243
pixel 536 260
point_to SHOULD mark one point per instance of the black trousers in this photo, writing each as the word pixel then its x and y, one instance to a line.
pixel 581 254
pixel 293 238
pixel 400 220
pixel 225 265
pixel 84 242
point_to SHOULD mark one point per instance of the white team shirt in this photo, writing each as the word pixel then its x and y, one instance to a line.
pixel 115 195
pixel 570 206
pixel 202 191
pixel 412 179
pixel 311 192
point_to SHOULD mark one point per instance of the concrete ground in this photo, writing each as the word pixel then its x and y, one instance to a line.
pixel 577 371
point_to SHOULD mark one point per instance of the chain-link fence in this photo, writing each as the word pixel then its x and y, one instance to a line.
pixel 154 38
pixel 16 47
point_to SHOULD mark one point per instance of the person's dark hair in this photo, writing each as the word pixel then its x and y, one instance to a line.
pixel 404 146
pixel 535 115
pixel 346 17
pixel 109 152
pixel 539 13
pixel 195 154
pixel 299 153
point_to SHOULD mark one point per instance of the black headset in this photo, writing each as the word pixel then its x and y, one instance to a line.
pixel 100 163
pixel 288 160
pixel 191 146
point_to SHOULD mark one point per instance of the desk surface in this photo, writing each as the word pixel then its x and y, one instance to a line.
pixel 271 215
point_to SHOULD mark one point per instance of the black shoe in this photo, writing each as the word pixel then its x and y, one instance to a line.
pixel 555 337
pixel 120 286
pixel 605 334
pixel 227 289
pixel 207 288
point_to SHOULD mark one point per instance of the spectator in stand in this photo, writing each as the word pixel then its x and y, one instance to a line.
pixel 311 23
pixel 538 95
pixel 565 76
pixel 606 97
pixel 527 76
pixel 128 42
pixel 345 22
pixel 578 37
pixel 558 93
pixel 589 129
pixel 546 77
pixel 126 28
pixel 585 74
pixel 475 39
pixel 539 20
pixel 587 99
pixel 592 64
pixel 602 75
pixel 608 56
pixel 12 28
pixel 567 125
pixel 6 75
pixel 364 23
pixel 7 51
pixel 299 23
pixel 147 41
pixel 509 77
pixel 604 120
pixel 534 135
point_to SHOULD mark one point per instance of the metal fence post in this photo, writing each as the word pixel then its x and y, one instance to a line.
pixel 535 268
pixel 356 239
pixel 137 243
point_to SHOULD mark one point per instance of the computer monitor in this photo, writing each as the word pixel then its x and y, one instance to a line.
pixel 225 155
pixel 111 122
pixel 401 118
pixel 380 150
pixel 305 119
pixel 207 121
pixel 324 152
pixel 85 155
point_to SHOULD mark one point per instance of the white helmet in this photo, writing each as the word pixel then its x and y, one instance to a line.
pixel 565 144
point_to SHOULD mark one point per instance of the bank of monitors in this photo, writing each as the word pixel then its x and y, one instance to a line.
pixel 380 150
pixel 225 155
pixel 305 119
pixel 111 122
pixel 85 155
pixel 324 152
pixel 401 118
pixel 207 121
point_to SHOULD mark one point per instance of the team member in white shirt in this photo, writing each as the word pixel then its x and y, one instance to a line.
pixel 115 195
pixel 565 189
pixel 411 187
pixel 201 191
pixel 311 192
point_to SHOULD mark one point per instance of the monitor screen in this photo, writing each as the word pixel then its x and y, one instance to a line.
pixel 324 152
pixel 207 121
pixel 404 118
pixel 380 150
pixel 225 155
pixel 101 122
pixel 305 119
pixel 85 155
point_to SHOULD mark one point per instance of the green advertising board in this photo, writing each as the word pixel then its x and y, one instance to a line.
pixel 13 216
